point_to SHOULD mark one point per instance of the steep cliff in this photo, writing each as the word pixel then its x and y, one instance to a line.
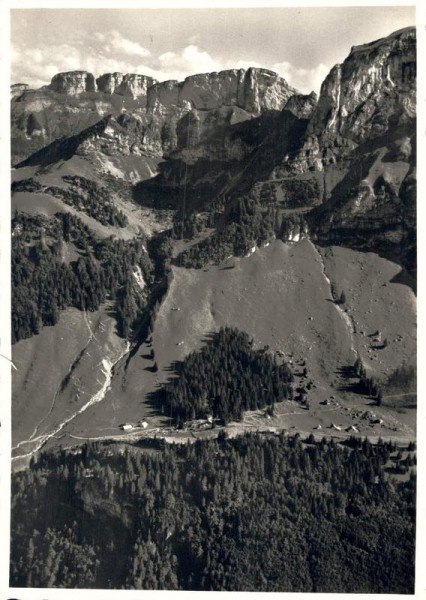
pixel 343 163
pixel 253 90
pixel 134 85
pixel 362 135
pixel 371 91
pixel 301 105
pixel 73 83
pixel 370 94
pixel 62 108
pixel 109 82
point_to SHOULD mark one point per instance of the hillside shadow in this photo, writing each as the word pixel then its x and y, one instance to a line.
pixel 404 277
pixel 64 148
pixel 205 179
pixel 329 225
pixel 351 380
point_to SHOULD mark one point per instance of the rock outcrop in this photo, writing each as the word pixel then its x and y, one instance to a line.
pixel 165 93
pixel 135 85
pixel 73 83
pixel 253 90
pixel 371 93
pixel 373 86
pixel 302 106
pixel 109 82
pixel 362 137
pixel 18 89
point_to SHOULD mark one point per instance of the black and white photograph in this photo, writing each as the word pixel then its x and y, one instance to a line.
pixel 210 244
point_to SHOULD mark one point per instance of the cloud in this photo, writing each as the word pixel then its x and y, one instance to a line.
pixel 194 39
pixel 117 43
pixel 97 53
pixel 107 52
pixel 304 80
pixel 189 61
pixel 245 64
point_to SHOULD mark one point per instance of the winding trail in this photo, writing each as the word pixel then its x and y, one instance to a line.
pixel 108 369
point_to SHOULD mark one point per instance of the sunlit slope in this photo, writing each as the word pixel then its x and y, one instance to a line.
pixel 281 296
pixel 60 371
pixel 382 308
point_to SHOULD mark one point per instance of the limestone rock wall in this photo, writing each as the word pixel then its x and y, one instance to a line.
pixel 73 83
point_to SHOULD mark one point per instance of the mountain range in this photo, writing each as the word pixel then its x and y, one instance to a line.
pixel 214 329
pixel 129 193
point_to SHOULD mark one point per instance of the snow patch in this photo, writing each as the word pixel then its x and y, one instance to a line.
pixel 294 237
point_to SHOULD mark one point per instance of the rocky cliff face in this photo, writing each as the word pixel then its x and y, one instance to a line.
pixel 73 83
pixel 372 92
pixel 158 105
pixel 302 106
pixel 134 85
pixel 253 90
pixel 109 82
pixel 352 150
pixel 362 137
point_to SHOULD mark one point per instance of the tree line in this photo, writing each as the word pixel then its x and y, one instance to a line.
pixel 83 194
pixel 248 223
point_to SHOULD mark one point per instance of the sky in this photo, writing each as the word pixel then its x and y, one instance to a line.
pixel 301 44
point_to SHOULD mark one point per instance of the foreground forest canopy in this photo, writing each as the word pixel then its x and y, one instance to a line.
pixel 259 512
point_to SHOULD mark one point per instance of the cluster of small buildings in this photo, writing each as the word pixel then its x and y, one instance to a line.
pixel 129 426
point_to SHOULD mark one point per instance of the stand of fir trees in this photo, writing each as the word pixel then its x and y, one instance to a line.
pixel 249 222
pixel 83 194
pixel 259 512
pixel 43 283
pixel 223 379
